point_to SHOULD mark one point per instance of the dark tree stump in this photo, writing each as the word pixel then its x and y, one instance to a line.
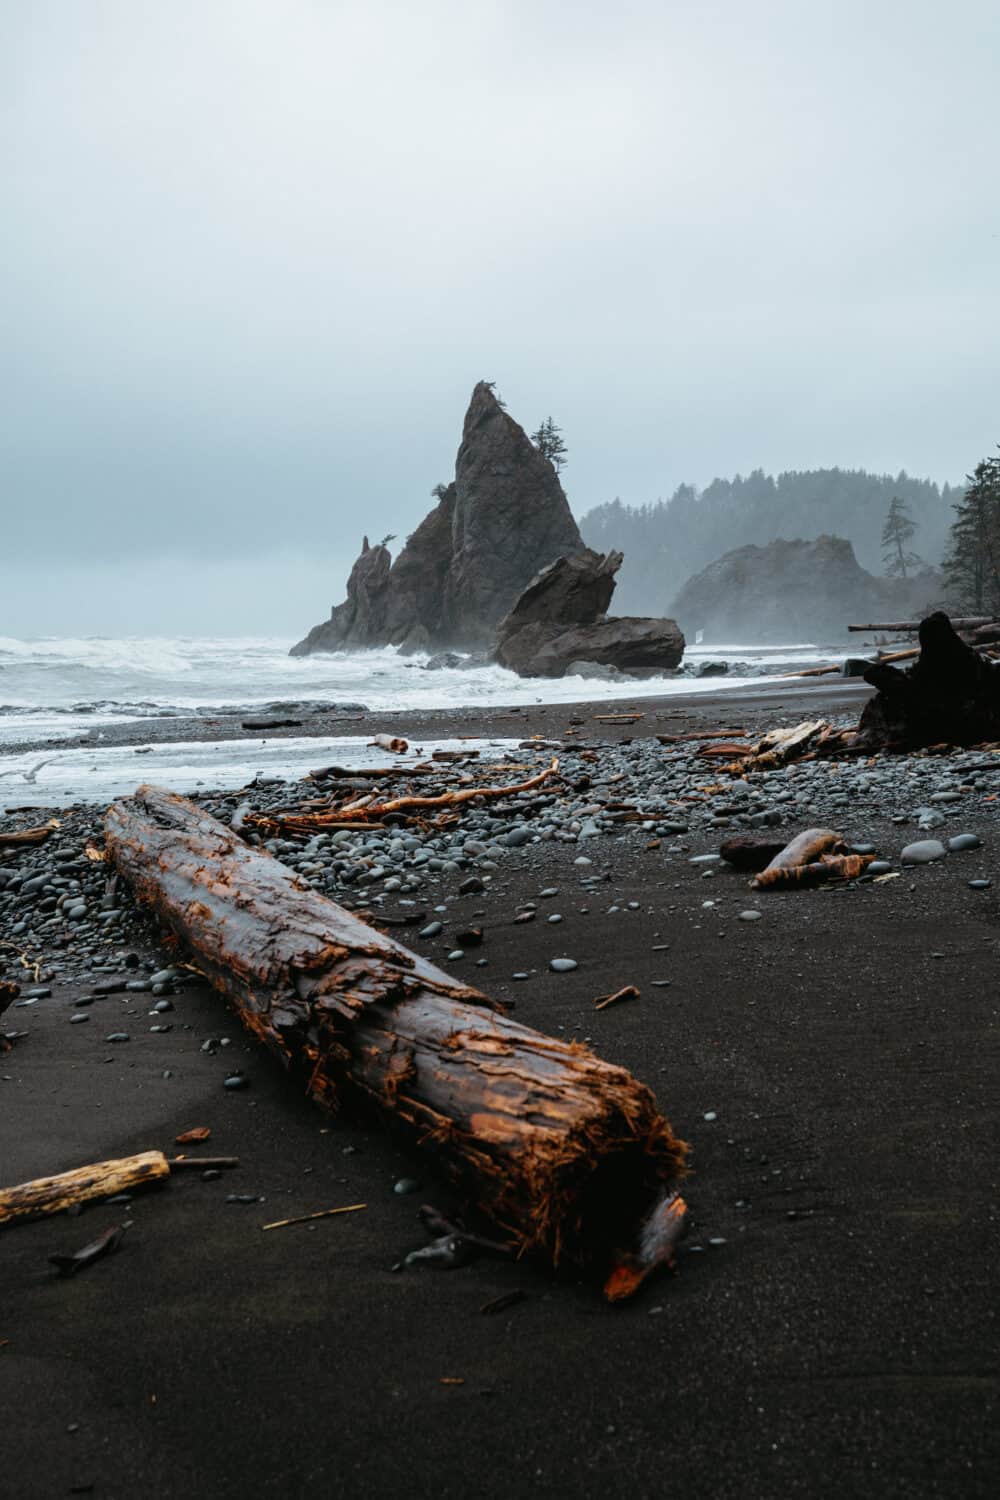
pixel 951 695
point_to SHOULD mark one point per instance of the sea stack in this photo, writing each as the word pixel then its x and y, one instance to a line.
pixel 502 519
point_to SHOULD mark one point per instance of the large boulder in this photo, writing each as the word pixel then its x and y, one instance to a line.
pixel 559 620
pixel 574 590
pixel 793 591
pixel 504 517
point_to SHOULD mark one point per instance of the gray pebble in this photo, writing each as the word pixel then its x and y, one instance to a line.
pixel 236 1081
pixel 432 930
pixel 923 852
pixel 963 841
pixel 562 965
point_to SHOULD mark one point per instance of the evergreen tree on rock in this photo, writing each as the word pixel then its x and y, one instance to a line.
pixel 549 442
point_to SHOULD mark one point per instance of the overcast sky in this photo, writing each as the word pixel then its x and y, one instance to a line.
pixel 257 252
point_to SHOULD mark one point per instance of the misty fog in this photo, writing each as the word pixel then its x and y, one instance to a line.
pixel 256 256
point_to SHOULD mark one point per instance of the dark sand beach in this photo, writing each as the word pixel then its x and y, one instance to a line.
pixel 831 1326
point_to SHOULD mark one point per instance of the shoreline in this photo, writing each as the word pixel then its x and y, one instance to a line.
pixel 831 1064
pixel 757 697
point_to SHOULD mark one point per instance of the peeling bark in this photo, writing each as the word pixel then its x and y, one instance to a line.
pixel 567 1154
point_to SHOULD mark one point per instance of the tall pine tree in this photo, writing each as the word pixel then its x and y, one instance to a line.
pixel 898 529
pixel 972 563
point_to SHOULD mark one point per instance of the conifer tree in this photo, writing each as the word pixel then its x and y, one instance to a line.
pixel 898 529
pixel 548 440
pixel 972 564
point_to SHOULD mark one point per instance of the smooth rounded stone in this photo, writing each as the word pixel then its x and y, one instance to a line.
pixel 432 930
pixel 963 841
pixel 79 1018
pixel 168 1027
pixel 520 975
pixel 563 965
pixel 583 860
pixel 946 796
pixel 980 885
pixel 473 884
pixel 704 859
pixel 456 954
pixel 118 1036
pixel 550 890
pixel 138 986
pixel 749 916
pixel 555 917
pixel 879 867
pixel 37 992
pixel 162 1006
pixel 923 852
pixel 517 838
pixel 210 1174
pixel 929 818
pixel 766 819
pixel 236 1081
pixel 861 848
pixel 405 1185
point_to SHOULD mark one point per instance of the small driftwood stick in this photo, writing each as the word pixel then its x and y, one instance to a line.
pixel 564 1152
pixel 103 1179
pixel 221 1163
pixel 629 992
pixel 322 1213
pixel 25 836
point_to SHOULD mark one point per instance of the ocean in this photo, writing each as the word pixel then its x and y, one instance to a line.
pixel 55 690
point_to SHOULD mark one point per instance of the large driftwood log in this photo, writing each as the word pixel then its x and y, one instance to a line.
pixel 566 1153
pixel 968 622
pixel 950 695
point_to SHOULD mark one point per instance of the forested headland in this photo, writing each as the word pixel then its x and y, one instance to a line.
pixel 666 542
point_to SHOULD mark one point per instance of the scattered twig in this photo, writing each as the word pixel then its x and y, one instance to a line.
pixel 505 1300
pixel 323 1213
pixel 628 992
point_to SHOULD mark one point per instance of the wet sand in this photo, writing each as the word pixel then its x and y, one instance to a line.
pixel 838 1339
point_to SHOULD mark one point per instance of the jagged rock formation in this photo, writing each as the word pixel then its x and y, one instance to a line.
pixel 795 591
pixel 503 517
pixel 560 620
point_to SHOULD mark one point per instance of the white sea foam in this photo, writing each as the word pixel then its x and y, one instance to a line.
pixel 61 778
pixel 60 690
pixel 77 683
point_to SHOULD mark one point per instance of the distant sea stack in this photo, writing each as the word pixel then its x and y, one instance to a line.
pixel 796 591
pixel 502 519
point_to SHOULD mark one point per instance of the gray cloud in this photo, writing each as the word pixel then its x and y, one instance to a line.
pixel 256 254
